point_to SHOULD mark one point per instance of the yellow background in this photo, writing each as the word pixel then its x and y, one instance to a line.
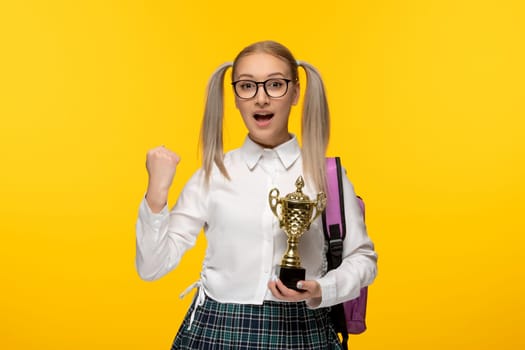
pixel 427 99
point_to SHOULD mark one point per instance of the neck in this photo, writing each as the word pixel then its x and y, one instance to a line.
pixel 277 142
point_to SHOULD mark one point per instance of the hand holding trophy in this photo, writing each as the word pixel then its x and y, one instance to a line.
pixel 295 212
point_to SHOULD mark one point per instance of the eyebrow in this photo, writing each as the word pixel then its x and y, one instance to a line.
pixel 269 75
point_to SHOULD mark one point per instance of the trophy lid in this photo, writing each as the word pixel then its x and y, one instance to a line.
pixel 298 195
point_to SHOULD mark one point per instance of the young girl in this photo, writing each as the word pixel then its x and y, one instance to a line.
pixel 240 303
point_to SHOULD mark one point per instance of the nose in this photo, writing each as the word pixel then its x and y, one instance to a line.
pixel 261 98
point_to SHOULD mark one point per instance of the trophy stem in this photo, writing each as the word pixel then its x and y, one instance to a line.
pixel 291 257
pixel 290 271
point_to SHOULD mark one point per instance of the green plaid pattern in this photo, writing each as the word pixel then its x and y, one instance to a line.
pixel 273 325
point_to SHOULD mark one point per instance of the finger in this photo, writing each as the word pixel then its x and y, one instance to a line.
pixel 287 292
pixel 277 292
pixel 273 288
pixel 176 158
pixel 313 288
pixel 302 285
pixel 305 285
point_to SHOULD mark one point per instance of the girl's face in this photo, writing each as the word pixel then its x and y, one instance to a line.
pixel 265 117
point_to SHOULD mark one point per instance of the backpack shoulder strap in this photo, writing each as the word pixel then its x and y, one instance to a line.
pixel 334 224
pixel 334 228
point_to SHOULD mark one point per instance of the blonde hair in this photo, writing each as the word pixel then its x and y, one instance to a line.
pixel 315 118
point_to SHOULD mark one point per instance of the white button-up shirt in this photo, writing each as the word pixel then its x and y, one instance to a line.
pixel 245 243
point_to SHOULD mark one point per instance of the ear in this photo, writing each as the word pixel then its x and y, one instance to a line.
pixel 297 93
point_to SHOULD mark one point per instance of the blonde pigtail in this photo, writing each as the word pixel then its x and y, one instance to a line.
pixel 212 129
pixel 315 127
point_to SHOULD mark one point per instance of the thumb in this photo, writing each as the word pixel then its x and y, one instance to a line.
pixel 309 286
pixel 314 289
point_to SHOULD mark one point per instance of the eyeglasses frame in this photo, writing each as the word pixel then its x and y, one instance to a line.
pixel 257 83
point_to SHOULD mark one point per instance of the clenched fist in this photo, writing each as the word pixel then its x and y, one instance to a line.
pixel 161 164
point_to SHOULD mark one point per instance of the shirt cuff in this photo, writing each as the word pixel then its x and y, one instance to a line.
pixel 328 292
pixel 147 215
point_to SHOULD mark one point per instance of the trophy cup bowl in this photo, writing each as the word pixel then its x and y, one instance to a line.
pixel 295 212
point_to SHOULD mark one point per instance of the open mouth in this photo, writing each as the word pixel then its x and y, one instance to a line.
pixel 263 117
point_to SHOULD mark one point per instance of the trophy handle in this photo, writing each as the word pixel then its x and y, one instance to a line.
pixel 273 198
pixel 320 205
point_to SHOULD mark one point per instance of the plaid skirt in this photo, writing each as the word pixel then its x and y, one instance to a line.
pixel 272 325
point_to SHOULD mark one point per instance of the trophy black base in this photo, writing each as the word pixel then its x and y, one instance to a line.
pixel 291 275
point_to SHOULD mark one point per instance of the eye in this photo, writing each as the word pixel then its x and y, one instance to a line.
pixel 246 85
pixel 275 84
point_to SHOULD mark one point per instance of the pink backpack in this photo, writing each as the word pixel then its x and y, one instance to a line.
pixel 348 317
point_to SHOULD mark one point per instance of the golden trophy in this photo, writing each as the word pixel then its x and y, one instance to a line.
pixel 295 213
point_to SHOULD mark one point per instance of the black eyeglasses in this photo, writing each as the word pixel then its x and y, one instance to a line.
pixel 275 87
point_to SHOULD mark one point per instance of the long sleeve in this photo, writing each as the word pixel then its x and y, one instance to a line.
pixel 163 238
pixel 359 265
pixel 245 244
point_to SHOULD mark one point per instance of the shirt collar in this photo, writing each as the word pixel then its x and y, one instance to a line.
pixel 287 152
